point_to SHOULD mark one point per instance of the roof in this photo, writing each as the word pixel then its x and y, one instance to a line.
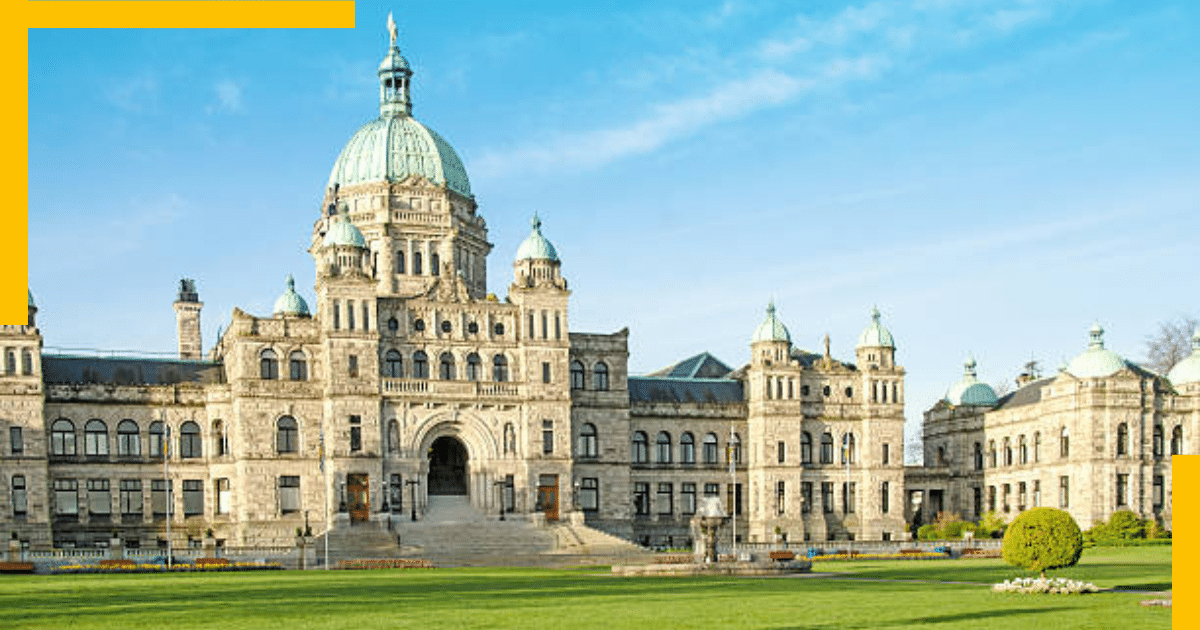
pixel 74 370
pixel 393 147
pixel 684 390
pixel 1027 395
pixel 703 365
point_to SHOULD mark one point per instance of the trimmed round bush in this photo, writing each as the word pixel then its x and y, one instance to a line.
pixel 1041 539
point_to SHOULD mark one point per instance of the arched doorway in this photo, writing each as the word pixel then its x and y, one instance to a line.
pixel 447 467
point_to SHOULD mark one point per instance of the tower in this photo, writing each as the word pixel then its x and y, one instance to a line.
pixel 187 317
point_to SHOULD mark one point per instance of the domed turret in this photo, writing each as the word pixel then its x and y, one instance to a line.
pixel 537 261
pixel 1188 370
pixel 342 232
pixel 970 390
pixel 290 304
pixel 771 329
pixel 1097 361
pixel 535 246
pixel 875 335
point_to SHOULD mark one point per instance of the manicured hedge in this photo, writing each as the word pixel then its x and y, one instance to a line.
pixel 1041 539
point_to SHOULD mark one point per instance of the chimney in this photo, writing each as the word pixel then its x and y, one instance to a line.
pixel 187 316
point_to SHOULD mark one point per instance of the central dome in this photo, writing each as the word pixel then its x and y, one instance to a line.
pixel 395 146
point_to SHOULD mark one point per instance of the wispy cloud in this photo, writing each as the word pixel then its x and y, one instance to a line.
pixel 136 95
pixel 228 96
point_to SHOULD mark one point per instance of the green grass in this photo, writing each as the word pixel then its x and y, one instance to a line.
pixel 585 598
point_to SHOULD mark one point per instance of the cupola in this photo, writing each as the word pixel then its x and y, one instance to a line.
pixel 290 304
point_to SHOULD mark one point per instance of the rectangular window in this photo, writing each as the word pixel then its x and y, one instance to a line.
pixel 66 498
pixel 848 498
pixel 1021 496
pixel 712 489
pixel 130 497
pixel 1064 492
pixel 641 498
pixel 20 498
pixel 545 329
pixel 366 316
pixel 193 497
pixel 16 444
pixel 350 314
pixel 977 500
pixel 887 454
pixel 991 498
pixel 352 366
pixel 781 451
pixel 289 494
pixel 337 315
pixel 589 494
pixel 1156 497
pixel 355 434
pixel 687 498
pixel 885 499
pixel 806 497
pixel 1037 493
pixel 1007 497
pixel 557 327
pixel 547 437
pixel 397 494
pixel 666 500
pixel 733 499
pixel 780 497
pixel 99 498
pixel 160 497
pixel 224 496
pixel 545 372
pixel 1122 490
pixel 827 496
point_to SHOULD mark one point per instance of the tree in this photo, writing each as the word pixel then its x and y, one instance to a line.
pixel 1171 344
pixel 1041 539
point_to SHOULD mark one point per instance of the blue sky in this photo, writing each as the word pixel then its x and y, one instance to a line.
pixel 995 175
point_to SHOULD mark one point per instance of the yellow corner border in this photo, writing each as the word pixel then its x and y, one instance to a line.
pixel 14 123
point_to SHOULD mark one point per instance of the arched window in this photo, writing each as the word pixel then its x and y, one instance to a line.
pixel 687 448
pixel 600 376
pixel 287 435
pixel 827 448
pixel 500 368
pixel 1158 441
pixel 393 365
pixel 435 265
pixel 156 439
pixel 805 447
pixel 978 456
pixel 189 440
pixel 588 446
pixel 400 261
pixel 26 362
pixel 95 438
pixel 420 364
pixel 268 365
pixel 992 454
pixel 1122 439
pixel 1177 440
pixel 663 452
pixel 298 364
pixel 62 437
pixel 577 375
pixel 641 448
pixel 1008 452
pixel 1064 443
pixel 416 263
pixel 446 366
pixel 848 449
pixel 474 367
pixel 735 449
pixel 129 442
pixel 941 456
pixel 220 439
pixel 710 448
pixel 1022 450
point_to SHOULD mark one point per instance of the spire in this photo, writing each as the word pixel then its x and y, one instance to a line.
pixel 395 78
pixel 1097 336
pixel 969 366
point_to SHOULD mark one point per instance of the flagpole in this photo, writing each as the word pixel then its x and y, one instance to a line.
pixel 733 493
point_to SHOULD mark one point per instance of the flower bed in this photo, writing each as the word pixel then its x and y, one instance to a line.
pixel 16 567
pixel 386 563
pixel 675 558
pixel 128 566
pixel 976 552
pixel 1056 586
pixel 903 555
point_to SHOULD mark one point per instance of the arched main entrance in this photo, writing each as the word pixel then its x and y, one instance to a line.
pixel 447 467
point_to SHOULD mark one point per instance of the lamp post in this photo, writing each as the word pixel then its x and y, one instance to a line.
pixel 500 497
pixel 166 449
pixel 412 488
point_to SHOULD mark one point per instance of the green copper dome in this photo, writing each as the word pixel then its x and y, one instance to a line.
pixel 31 304
pixel 1097 361
pixel 1188 370
pixel 875 335
pixel 290 303
pixel 535 246
pixel 395 145
pixel 771 329
pixel 342 232
pixel 970 390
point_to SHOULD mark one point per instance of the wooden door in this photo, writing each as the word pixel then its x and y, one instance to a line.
pixel 358 497
pixel 547 496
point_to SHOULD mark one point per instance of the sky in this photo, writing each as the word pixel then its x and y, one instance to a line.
pixel 993 175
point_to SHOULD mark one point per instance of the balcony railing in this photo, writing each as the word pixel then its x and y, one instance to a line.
pixel 448 389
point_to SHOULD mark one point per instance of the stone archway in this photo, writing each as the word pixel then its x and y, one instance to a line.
pixel 447 467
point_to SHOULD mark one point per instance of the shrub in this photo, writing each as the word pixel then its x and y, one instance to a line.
pixel 991 525
pixel 1125 525
pixel 927 532
pixel 1041 539
pixel 955 530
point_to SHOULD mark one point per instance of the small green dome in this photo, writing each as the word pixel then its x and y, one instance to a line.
pixel 1188 370
pixel 535 246
pixel 875 335
pixel 342 232
pixel 771 329
pixel 290 303
pixel 970 390
pixel 1097 361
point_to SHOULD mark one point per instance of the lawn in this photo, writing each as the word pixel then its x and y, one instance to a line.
pixel 586 598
